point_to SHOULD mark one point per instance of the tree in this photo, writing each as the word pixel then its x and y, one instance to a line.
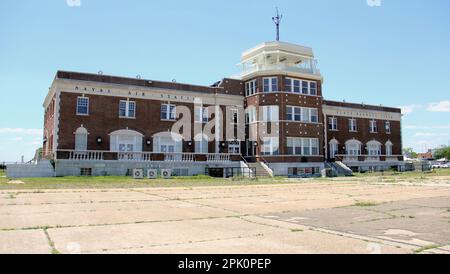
pixel 409 152
pixel 442 153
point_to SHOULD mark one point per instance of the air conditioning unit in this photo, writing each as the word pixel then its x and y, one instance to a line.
pixel 152 173
pixel 166 173
pixel 138 173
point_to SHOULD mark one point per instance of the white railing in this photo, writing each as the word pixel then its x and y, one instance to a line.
pixel 218 157
pixel 283 67
pixel 368 158
pixel 86 155
pixel 179 157
pixel 139 156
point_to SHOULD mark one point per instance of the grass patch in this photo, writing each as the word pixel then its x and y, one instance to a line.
pixel 425 248
pixel 365 204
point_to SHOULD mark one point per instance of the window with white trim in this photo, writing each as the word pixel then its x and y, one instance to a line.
pixel 270 146
pixel 250 115
pixel 250 88
pixel 301 114
pixel 387 126
pixel 388 149
pixel 82 106
pixel 270 84
pixel 352 126
pixel 127 109
pixel 168 112
pixel 332 123
pixel 302 146
pixel 234 116
pixel 292 85
pixel 373 128
pixel 312 88
pixel 305 87
pixel 270 113
pixel 201 115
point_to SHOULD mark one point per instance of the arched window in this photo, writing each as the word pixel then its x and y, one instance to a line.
pixel 374 148
pixel 353 147
pixel 126 140
pixel 81 135
pixel 334 148
pixel 167 142
pixel 388 146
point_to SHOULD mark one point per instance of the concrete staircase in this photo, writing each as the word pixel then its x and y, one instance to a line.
pixel 340 169
pixel 262 170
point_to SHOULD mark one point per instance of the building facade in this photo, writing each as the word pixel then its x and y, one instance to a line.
pixel 272 116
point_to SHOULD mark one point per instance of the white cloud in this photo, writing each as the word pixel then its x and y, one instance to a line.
pixel 442 106
pixel 27 131
pixel 73 3
pixel 16 139
pixel 410 108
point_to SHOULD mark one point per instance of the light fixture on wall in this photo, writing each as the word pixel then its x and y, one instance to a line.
pixel 190 144
pixel 255 144
pixel 99 140
pixel 148 142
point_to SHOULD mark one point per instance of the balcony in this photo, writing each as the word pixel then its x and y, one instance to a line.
pixel 91 155
pixel 304 68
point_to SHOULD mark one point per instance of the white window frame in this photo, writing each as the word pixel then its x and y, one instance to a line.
pixel 373 127
pixel 273 81
pixel 80 98
pixel 305 115
pixel 387 127
pixel 201 114
pixel 270 113
pixel 352 125
pixel 251 115
pixel 270 146
pixel 301 145
pixel 127 109
pixel 332 121
pixel 250 88
pixel 294 83
pixel 170 114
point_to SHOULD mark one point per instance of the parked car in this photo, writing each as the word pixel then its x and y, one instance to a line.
pixel 440 165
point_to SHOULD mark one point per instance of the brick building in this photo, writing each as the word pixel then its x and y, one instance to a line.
pixel 272 116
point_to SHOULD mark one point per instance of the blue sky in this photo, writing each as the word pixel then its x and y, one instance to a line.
pixel 396 54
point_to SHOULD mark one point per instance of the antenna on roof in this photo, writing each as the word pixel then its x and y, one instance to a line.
pixel 277 21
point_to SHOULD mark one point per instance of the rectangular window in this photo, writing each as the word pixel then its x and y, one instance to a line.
pixel 332 123
pixel 270 146
pixel 352 126
pixel 234 116
pixel 288 85
pixel 270 114
pixel 373 128
pixel 292 85
pixel 313 88
pixel 201 115
pixel 300 114
pixel 387 126
pixel 250 115
pixel 127 109
pixel 270 84
pixel 168 112
pixel 305 86
pixel 250 88
pixel 303 146
pixel 82 106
